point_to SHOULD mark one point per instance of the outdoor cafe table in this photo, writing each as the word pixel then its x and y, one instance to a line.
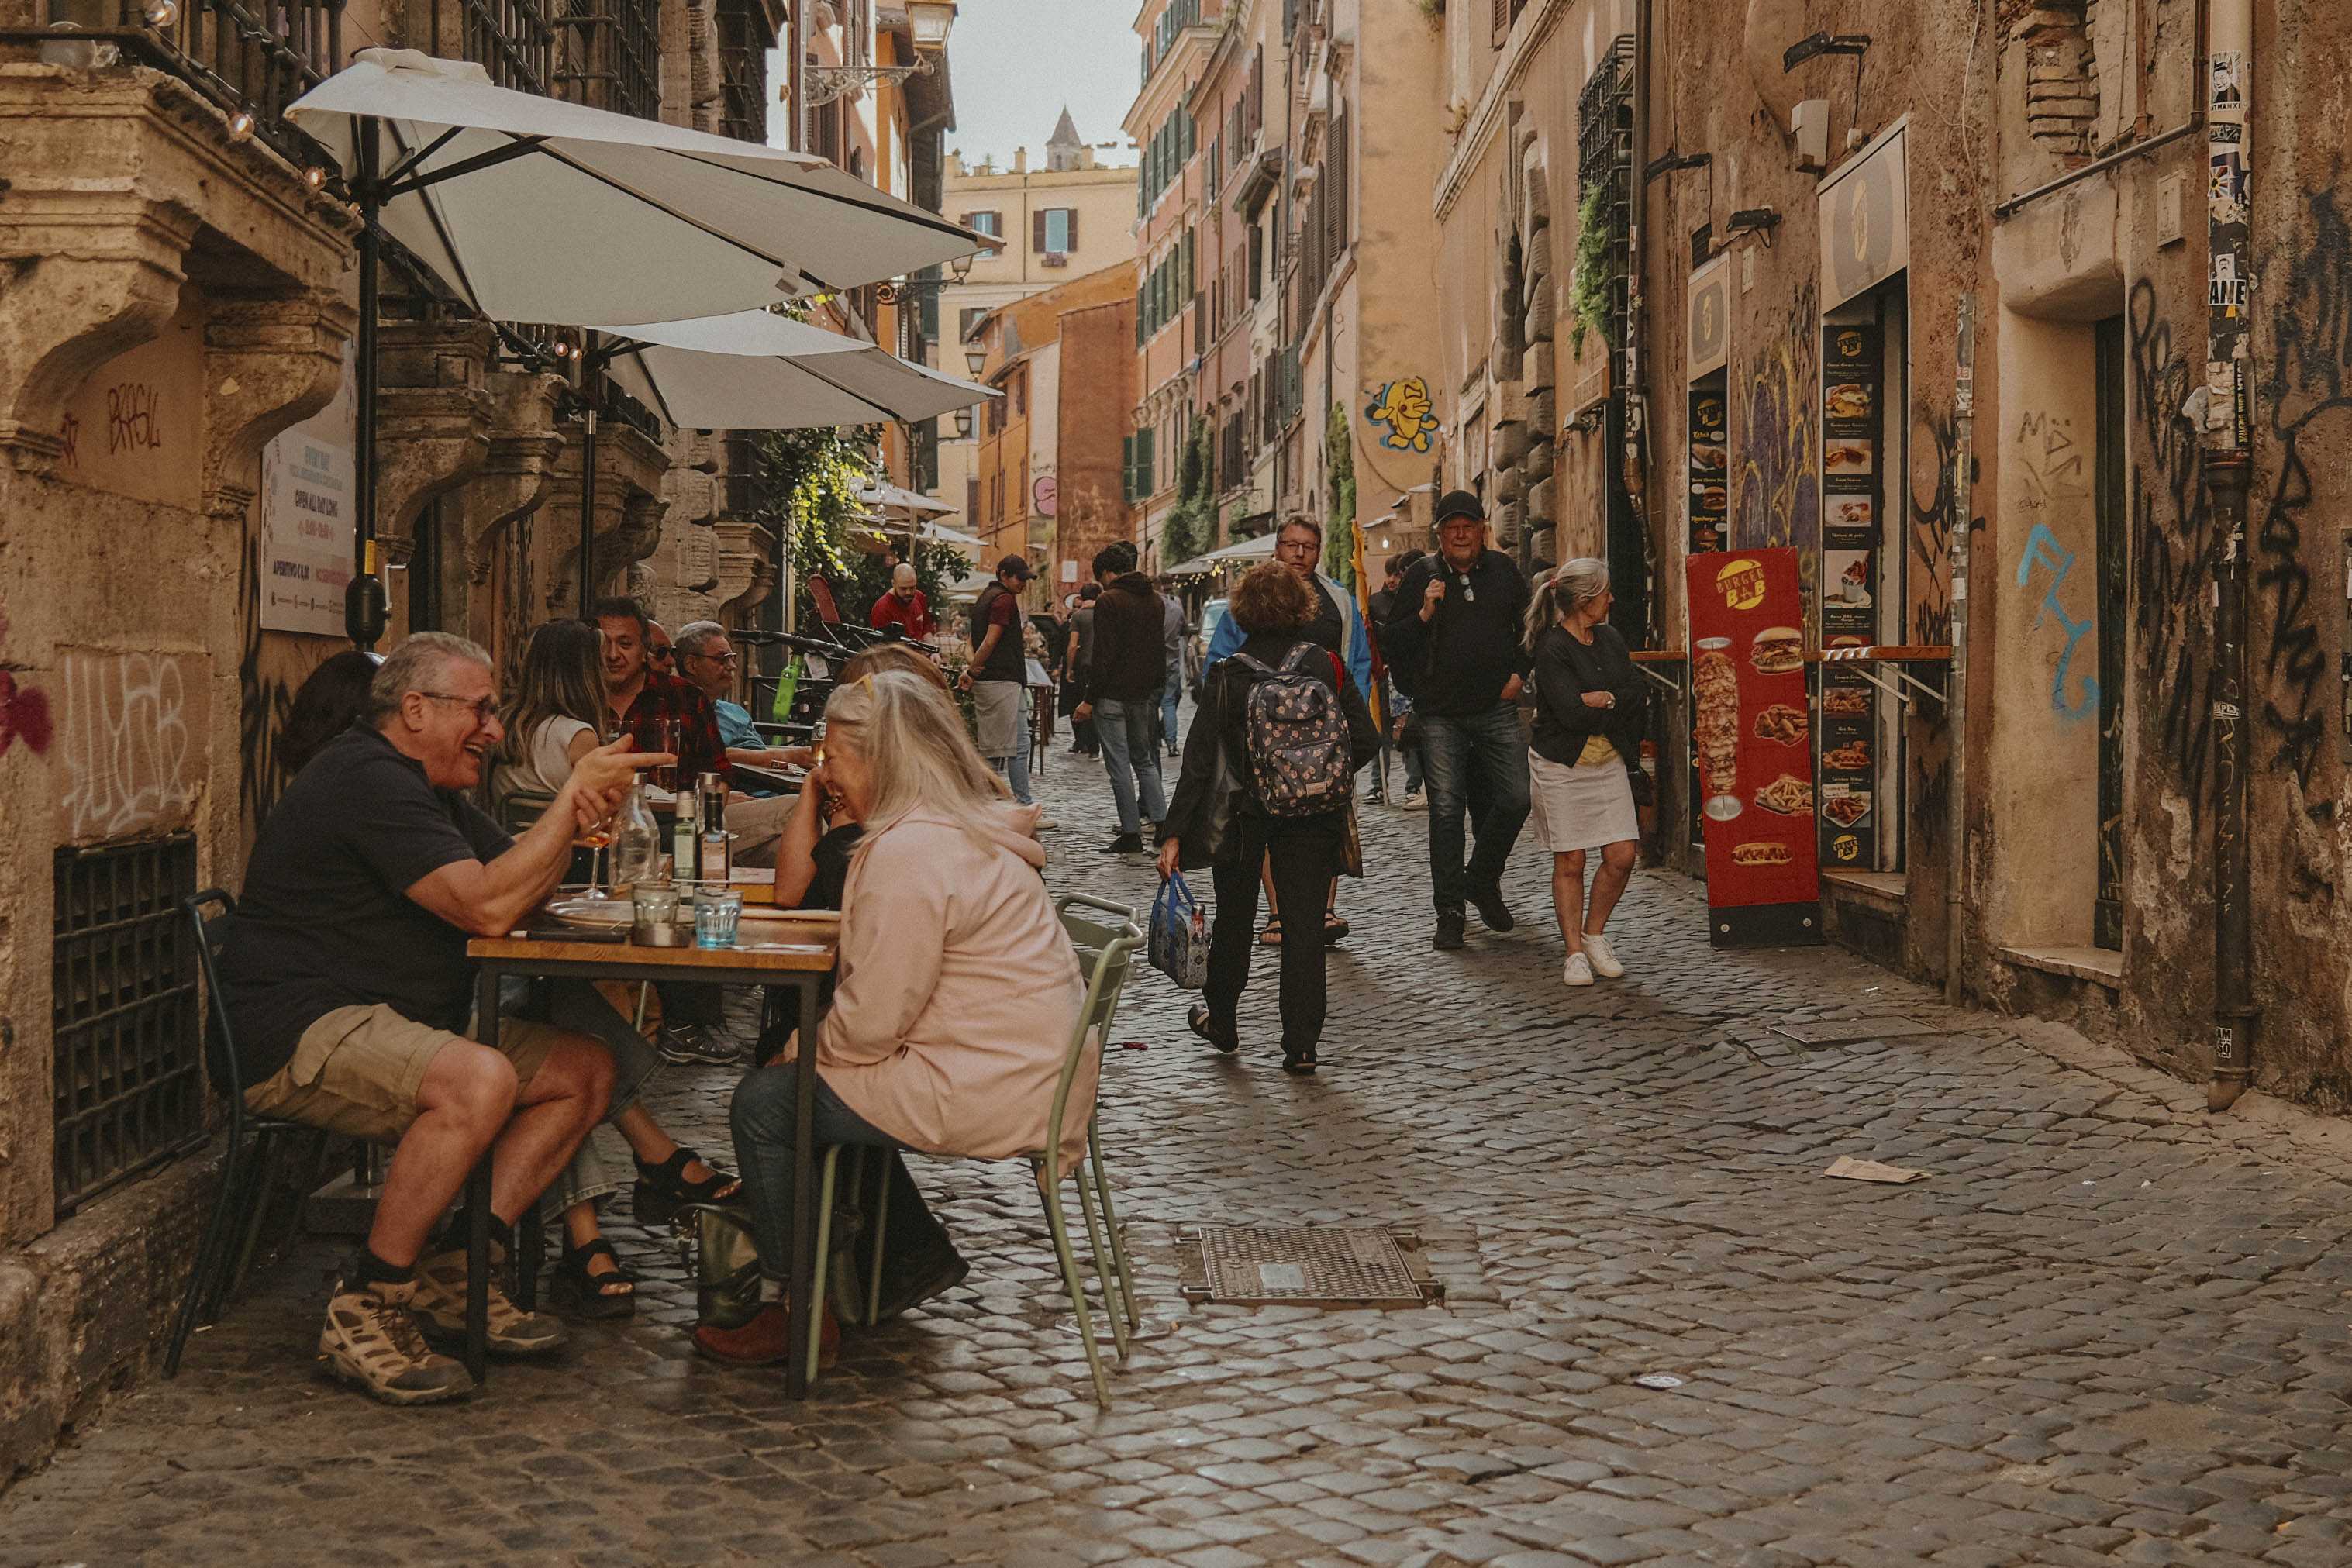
pixel 779 953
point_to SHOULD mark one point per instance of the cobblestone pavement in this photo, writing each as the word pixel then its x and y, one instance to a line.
pixel 2101 1332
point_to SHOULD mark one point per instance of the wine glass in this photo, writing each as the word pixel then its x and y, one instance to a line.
pixel 599 836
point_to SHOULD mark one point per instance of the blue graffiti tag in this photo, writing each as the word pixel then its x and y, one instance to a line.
pixel 2042 544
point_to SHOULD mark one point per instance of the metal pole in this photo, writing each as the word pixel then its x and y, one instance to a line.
pixel 365 605
pixel 1637 401
pixel 1956 688
pixel 2229 50
pixel 588 502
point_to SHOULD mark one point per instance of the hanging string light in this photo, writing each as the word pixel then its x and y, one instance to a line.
pixel 161 14
pixel 240 125
pixel 315 177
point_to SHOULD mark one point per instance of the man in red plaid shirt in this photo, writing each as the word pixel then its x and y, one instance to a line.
pixel 650 705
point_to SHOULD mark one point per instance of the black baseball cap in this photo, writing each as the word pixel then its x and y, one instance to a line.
pixel 1459 504
pixel 1018 565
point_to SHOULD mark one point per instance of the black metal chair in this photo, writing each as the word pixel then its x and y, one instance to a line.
pixel 249 1173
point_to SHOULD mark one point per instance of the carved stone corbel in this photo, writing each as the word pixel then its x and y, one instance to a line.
pixel 432 420
pixel 271 361
pixel 628 510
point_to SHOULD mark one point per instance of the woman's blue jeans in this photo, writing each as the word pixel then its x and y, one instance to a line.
pixel 917 1248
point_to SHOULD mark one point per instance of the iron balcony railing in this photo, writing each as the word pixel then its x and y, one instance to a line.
pixel 612 58
pixel 250 56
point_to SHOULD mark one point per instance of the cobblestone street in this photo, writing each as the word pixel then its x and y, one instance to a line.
pixel 2100 1331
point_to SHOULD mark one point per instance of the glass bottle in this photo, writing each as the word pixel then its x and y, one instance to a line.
pixel 637 843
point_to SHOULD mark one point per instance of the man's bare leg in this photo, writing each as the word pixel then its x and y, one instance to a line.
pixel 468 1096
pixel 552 1113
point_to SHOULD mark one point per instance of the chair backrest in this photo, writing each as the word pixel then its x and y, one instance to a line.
pixel 1107 950
pixel 518 811
pixel 212 935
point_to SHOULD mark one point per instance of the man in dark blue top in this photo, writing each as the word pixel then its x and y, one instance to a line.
pixel 1455 630
pixel 348 990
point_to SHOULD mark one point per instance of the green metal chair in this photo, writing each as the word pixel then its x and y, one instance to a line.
pixel 1112 948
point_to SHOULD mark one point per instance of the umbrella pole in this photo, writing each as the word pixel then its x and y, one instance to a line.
pixel 588 503
pixel 364 602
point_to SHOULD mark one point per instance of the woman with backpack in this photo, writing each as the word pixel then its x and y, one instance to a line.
pixel 1585 757
pixel 1269 770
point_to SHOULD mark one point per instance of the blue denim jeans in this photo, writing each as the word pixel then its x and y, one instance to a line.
pixel 1171 698
pixel 1481 757
pixel 1014 768
pixel 1131 757
pixel 917 1248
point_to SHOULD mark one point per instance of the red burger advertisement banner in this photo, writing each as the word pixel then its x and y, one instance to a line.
pixel 1752 735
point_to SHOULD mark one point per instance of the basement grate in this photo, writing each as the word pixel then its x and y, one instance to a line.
pixel 1304 1265
pixel 1844 1031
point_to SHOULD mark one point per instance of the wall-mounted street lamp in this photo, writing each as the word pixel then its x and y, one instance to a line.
pixel 1820 44
pixel 978 359
pixel 1753 220
pixel 898 290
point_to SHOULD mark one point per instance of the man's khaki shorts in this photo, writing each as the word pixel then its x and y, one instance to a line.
pixel 357 1071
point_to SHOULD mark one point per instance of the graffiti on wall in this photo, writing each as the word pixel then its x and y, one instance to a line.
pixel 24 716
pixel 2310 379
pixel 265 696
pixel 1403 414
pixel 2171 540
pixel 131 735
pixel 2043 550
pixel 1779 496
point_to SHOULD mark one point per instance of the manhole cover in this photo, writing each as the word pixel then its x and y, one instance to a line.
pixel 1841 1031
pixel 1304 1265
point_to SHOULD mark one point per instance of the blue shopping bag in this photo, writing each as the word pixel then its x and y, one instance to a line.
pixel 1179 934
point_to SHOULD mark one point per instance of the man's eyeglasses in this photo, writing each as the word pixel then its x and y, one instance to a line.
pixel 485 708
pixel 726 658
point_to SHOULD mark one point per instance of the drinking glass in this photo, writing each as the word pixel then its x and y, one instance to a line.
pixel 717 910
pixel 666 776
pixel 596 839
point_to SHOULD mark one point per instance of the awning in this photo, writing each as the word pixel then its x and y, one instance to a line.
pixel 755 369
pixel 1248 552
pixel 905 500
pixel 532 209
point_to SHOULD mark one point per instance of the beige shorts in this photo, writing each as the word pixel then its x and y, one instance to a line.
pixel 357 1071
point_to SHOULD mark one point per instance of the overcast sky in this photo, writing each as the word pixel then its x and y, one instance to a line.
pixel 1016 63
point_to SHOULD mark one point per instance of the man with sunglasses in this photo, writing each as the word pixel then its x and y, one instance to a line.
pixel 348 989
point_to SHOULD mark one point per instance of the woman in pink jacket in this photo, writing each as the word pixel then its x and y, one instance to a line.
pixel 958 989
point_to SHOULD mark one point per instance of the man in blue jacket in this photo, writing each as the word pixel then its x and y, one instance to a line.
pixel 1338 627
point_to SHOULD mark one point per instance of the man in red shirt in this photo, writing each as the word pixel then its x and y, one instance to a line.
pixel 904 606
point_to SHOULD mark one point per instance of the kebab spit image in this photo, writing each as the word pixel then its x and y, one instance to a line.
pixel 1715 687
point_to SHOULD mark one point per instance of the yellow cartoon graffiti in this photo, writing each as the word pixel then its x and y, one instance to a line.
pixel 1404 416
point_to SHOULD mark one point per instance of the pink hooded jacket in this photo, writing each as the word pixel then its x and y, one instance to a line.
pixel 958 991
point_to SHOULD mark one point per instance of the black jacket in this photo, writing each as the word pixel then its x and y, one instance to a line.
pixel 1565 670
pixel 1457 664
pixel 1128 659
pixel 1218 726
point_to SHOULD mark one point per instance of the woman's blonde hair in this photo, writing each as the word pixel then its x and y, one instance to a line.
pixel 894 656
pixel 1564 592
pixel 917 750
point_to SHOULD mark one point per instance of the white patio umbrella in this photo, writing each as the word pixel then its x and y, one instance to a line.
pixel 532 209
pixel 914 502
pixel 755 369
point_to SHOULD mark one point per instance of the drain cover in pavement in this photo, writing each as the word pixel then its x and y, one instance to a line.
pixel 1307 1266
pixel 1841 1031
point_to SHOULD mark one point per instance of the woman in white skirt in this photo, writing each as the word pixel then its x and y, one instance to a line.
pixel 1588 738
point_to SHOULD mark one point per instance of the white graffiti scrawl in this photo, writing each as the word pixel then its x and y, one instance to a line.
pixel 131 739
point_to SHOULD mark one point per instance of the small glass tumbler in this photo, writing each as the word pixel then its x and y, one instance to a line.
pixel 654 921
pixel 717 912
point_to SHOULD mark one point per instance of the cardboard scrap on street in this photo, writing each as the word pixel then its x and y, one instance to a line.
pixel 1848 1168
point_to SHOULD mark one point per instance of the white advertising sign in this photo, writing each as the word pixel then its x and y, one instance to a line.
pixel 306 517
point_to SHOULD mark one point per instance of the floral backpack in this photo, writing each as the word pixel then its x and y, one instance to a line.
pixel 1297 737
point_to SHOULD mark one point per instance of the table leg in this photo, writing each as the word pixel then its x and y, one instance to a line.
pixel 477 1208
pixel 803 1284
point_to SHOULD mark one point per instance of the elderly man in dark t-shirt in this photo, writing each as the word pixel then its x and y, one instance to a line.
pixel 348 987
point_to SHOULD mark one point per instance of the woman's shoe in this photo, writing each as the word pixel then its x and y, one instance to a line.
pixel 575 1292
pixel 1301 1062
pixel 1335 930
pixel 1271 936
pixel 1604 956
pixel 1578 971
pixel 764 1342
pixel 1227 1039
pixel 663 1189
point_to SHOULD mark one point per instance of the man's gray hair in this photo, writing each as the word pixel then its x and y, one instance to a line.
pixel 697 635
pixel 418 665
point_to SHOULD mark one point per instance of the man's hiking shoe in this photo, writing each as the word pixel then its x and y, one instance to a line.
pixel 440 1308
pixel 372 1342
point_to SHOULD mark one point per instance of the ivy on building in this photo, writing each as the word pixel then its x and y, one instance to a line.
pixel 1588 288
pixel 1191 528
pixel 806 491
pixel 1339 530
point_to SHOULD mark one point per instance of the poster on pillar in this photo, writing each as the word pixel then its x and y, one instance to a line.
pixel 1852 382
pixel 1751 732
pixel 306 499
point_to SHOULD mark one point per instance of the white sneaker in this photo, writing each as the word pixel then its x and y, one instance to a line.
pixel 1577 972
pixel 1604 956
pixel 1412 801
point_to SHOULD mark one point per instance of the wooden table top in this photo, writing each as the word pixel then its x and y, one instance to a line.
pixel 787 945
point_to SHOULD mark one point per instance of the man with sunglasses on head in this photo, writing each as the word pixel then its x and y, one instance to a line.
pixel 348 990
pixel 661 656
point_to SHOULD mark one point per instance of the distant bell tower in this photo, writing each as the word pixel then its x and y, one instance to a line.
pixel 1063 151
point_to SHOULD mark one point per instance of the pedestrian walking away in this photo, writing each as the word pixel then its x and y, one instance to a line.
pixel 1335 627
pixel 1456 626
pixel 1076 655
pixel 998 672
pixel 1249 763
pixel 1396 697
pixel 1126 673
pixel 1172 695
pixel 1590 714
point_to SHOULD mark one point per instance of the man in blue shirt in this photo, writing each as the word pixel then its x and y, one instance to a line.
pixel 706 658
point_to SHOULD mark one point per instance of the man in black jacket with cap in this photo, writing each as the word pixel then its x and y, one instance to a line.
pixel 1456 625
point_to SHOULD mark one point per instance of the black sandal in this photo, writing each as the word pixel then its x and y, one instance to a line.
pixel 575 1292
pixel 1335 930
pixel 1271 936
pixel 662 1190
pixel 1300 1062
pixel 1227 1041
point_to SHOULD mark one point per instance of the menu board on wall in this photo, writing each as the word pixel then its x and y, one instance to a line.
pixel 306 517
pixel 1850 578
pixel 1709 494
pixel 1752 737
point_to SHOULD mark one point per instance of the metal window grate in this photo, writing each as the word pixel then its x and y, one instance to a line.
pixel 129 1073
pixel 514 40
pixel 743 43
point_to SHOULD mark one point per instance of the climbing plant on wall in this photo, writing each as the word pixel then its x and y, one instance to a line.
pixel 805 488
pixel 1588 289
pixel 1340 525
pixel 1190 524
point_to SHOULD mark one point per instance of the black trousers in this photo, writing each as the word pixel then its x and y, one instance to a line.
pixel 1304 854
